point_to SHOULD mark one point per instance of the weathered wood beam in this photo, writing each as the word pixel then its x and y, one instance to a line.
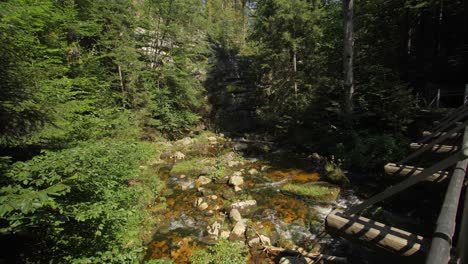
pixel 430 134
pixel 426 173
pixel 455 123
pixel 376 234
pixel 434 142
pixel 435 148
pixel 404 170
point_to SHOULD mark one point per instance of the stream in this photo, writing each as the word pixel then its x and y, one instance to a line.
pixel 199 211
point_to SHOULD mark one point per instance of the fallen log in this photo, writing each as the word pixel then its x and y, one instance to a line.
pixel 404 170
pixel 376 234
pixel 435 148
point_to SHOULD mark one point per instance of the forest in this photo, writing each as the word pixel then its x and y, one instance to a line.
pixel 212 131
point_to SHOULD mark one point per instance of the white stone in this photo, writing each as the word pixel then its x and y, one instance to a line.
pixel 236 180
pixel 253 171
pixel 203 180
pixel 238 232
pixel 262 240
pixel 198 202
pixel 185 141
pixel 235 215
pixel 178 156
pixel 225 234
pixel 237 189
pixel 202 206
pixel 243 205
pixel 214 197
pixel 233 163
pixel 213 230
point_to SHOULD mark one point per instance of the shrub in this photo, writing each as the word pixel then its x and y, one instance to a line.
pixel 82 202
pixel 225 252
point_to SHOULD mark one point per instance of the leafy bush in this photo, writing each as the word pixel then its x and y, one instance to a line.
pixel 225 252
pixel 369 151
pixel 81 202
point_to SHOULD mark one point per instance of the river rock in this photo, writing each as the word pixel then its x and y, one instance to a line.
pixel 228 194
pixel 244 207
pixel 235 215
pixel 260 241
pixel 225 234
pixel 253 171
pixel 178 156
pixel 213 230
pixel 198 201
pixel 202 180
pixel 233 163
pixel 185 141
pixel 237 189
pixel 239 146
pixel 236 180
pixel 229 156
pixel 238 232
pixel 212 140
pixel 203 206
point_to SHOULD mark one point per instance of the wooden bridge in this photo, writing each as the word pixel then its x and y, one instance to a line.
pixel 449 242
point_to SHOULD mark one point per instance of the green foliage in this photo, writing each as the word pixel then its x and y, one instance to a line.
pixel 334 174
pixel 83 201
pixel 370 151
pixel 223 252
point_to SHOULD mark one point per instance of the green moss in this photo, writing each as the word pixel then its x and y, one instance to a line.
pixel 316 191
pixel 194 167
pixel 334 174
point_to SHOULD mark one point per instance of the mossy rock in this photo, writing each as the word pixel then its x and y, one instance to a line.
pixel 315 191
pixel 334 174
pixel 193 167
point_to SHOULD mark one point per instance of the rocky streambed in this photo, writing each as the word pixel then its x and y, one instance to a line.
pixel 250 192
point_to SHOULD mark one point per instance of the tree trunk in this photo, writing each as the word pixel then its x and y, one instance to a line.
pixel 295 77
pixel 348 55
pixel 122 86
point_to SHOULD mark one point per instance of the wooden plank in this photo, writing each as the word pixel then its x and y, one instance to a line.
pixel 426 173
pixel 376 234
pixel 455 124
pixel 435 148
pixel 430 134
pixel 436 141
pixel 404 170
